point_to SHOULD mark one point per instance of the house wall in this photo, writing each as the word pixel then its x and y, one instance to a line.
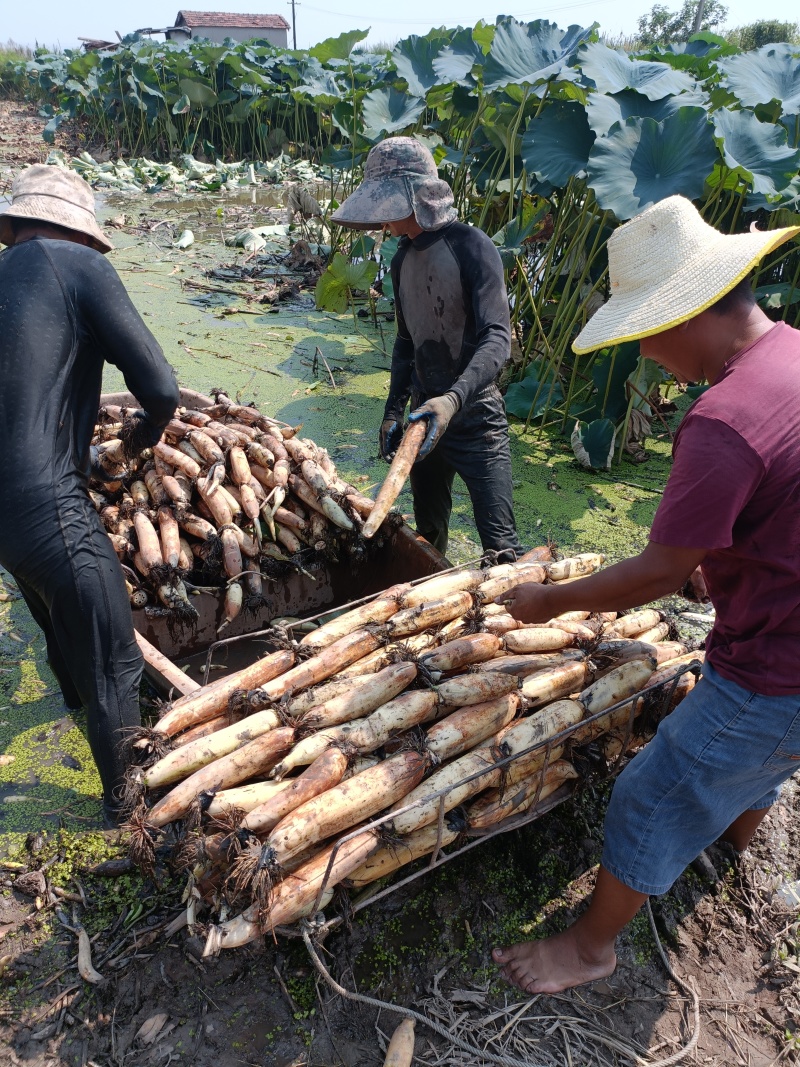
pixel 236 33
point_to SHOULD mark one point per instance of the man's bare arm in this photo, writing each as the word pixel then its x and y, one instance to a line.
pixel 657 571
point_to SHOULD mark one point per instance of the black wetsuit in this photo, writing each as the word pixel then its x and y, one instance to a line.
pixel 63 312
pixel 454 335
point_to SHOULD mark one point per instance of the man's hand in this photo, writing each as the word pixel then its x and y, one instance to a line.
pixel 530 602
pixel 391 434
pixel 694 588
pixel 438 411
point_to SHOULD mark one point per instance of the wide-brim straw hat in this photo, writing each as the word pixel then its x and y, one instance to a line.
pixel 400 179
pixel 667 265
pixel 45 193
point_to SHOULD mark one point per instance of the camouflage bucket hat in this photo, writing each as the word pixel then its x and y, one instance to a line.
pixel 400 177
pixel 46 193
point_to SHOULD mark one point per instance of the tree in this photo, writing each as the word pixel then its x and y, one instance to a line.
pixel 662 26
pixel 765 31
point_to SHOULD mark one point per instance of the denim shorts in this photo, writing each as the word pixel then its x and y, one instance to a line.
pixel 722 751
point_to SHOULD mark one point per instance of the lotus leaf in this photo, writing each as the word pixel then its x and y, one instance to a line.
pixel 642 161
pixel 200 94
pixel 556 144
pixel 756 149
pixel 531 53
pixel 336 284
pixel 338 47
pixel 777 295
pixel 593 443
pixel 455 61
pixel 390 111
pixel 538 391
pixel 321 86
pixel 414 58
pixel 769 73
pixel 603 110
pixel 511 238
pixel 611 70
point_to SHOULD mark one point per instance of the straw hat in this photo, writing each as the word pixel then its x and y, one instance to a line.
pixel 53 194
pixel 666 266
pixel 400 178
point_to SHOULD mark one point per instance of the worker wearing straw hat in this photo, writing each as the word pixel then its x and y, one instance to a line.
pixel 453 339
pixel 63 312
pixel 731 508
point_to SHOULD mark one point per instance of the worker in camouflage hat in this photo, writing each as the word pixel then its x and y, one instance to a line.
pixel 453 339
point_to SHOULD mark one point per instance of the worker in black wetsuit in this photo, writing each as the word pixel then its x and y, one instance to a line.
pixel 453 339
pixel 63 312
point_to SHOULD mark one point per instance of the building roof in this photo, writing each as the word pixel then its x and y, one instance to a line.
pixel 215 19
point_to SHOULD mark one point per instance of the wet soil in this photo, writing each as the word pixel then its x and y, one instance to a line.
pixel 428 944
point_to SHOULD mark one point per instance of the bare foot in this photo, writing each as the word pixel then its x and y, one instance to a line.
pixel 554 964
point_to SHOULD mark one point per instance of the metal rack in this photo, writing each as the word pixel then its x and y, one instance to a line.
pixel 651 704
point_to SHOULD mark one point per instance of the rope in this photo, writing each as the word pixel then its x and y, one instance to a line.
pixel 409 1013
pixel 689 989
pixel 306 929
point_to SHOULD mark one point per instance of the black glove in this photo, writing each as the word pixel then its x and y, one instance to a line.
pixel 96 468
pixel 391 434
pixel 138 432
pixel 438 411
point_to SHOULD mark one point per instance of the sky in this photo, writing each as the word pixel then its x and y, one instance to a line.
pixel 50 22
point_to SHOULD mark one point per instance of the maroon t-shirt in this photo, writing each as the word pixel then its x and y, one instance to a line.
pixel 735 489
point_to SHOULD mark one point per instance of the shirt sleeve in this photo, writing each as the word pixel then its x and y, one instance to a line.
pixel 485 291
pixel 402 354
pixel 127 343
pixel 714 474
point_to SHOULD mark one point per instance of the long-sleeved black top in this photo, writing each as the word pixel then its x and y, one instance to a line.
pixel 63 313
pixel 453 329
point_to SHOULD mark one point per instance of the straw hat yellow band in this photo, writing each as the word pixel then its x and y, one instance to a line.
pixel 668 265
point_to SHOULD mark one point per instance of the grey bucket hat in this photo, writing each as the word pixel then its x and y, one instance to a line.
pixel 46 193
pixel 400 178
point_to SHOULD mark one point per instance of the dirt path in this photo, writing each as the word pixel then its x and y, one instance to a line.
pixel 426 946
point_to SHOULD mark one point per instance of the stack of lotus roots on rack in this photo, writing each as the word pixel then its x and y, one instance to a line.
pixel 228 497
pixel 428 709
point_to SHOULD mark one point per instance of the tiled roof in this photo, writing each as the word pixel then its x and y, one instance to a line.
pixel 226 18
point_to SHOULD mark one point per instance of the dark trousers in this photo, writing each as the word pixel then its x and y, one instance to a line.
pixel 477 449
pixel 73 585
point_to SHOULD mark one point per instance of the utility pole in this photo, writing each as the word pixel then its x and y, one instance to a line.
pixel 698 18
pixel 292 4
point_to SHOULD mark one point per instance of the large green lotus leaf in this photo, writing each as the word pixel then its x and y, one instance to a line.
pixel 769 73
pixel 611 71
pixel 603 110
pixel 642 161
pixel 556 144
pixel 389 111
pixel 534 394
pixel 483 34
pixel 338 47
pixel 455 61
pixel 757 148
pixel 609 371
pixel 593 443
pixel 340 279
pixel 344 119
pixel 200 94
pixel 531 53
pixel 512 237
pixel 340 158
pixel 414 59
pixel 321 86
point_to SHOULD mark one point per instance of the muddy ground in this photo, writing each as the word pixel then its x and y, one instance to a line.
pixel 427 945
